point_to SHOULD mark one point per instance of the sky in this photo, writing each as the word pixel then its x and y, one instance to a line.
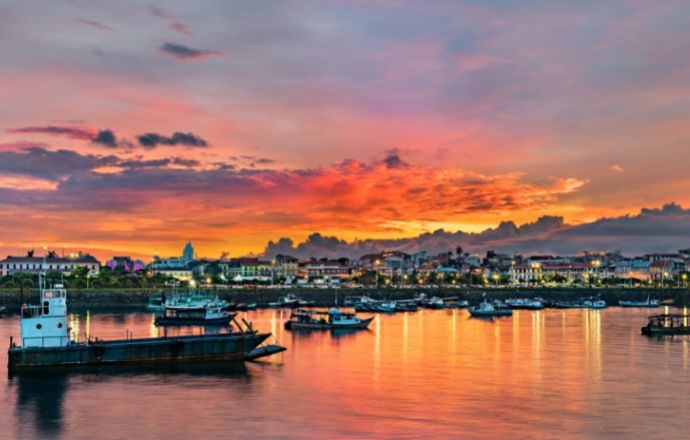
pixel 129 127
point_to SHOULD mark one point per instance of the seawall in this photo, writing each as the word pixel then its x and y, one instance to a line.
pixel 12 299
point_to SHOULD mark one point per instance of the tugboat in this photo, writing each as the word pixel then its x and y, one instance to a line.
pixel 45 341
pixel 333 319
pixel 487 310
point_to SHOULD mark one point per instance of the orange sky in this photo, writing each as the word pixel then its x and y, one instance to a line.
pixel 132 128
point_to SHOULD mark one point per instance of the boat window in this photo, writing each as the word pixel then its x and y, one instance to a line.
pixel 59 325
pixel 38 326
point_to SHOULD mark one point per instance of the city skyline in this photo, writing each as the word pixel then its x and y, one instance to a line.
pixel 136 127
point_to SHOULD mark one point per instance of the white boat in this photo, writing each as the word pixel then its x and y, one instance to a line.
pixel 525 303
pixel 487 310
pixel 647 303
pixel 193 312
pixel 333 319
pixel 595 304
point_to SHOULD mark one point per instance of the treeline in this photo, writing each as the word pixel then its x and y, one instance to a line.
pixel 81 279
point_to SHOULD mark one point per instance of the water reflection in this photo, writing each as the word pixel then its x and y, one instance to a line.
pixel 39 403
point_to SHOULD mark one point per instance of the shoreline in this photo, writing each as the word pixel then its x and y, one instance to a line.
pixel 12 299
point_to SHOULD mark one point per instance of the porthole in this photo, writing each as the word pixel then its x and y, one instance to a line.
pixel 38 326
pixel 59 325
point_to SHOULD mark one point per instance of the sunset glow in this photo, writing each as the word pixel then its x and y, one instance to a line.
pixel 134 127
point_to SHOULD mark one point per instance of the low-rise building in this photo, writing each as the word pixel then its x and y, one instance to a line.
pixel 51 263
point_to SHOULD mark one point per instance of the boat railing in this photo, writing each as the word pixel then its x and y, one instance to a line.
pixel 34 311
pixel 669 320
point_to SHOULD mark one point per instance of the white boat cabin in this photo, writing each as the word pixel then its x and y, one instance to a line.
pixel 45 325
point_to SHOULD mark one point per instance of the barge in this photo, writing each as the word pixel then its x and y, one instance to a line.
pixel 667 324
pixel 45 342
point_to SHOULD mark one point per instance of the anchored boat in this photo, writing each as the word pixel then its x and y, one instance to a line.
pixel 525 304
pixel 488 310
pixel 647 303
pixel 667 324
pixel 45 341
pixel 333 319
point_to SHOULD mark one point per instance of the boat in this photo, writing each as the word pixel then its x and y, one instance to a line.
pixel 156 303
pixel 405 306
pixel 525 304
pixel 333 319
pixel 488 310
pixel 667 324
pixel 193 314
pixel 647 303
pixel 595 304
pixel 289 301
pixel 569 305
pixel 45 342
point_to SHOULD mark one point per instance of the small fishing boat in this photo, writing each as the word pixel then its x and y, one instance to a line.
pixel 647 303
pixel 525 304
pixel 405 306
pixel 667 324
pixel 488 310
pixel 193 314
pixel 333 319
pixel 569 305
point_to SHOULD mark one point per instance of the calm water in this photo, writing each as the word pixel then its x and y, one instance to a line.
pixel 429 374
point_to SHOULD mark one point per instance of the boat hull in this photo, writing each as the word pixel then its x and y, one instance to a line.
pixel 661 331
pixel 490 314
pixel 640 304
pixel 204 348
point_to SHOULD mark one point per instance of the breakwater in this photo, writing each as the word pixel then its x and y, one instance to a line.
pixel 113 297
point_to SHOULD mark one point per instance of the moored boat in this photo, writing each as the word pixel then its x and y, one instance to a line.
pixel 525 304
pixel 667 324
pixel 193 314
pixel 488 310
pixel 45 342
pixel 333 319
pixel 646 303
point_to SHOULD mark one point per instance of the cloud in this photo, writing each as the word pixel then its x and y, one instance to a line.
pixel 105 138
pixel 617 168
pixel 50 164
pixel 181 28
pixel 96 25
pixel 183 52
pixel 152 140
pixel 70 132
pixel 663 229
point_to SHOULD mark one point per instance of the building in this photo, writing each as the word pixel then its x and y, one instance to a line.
pixel 180 262
pixel 326 269
pixel 180 274
pixel 51 263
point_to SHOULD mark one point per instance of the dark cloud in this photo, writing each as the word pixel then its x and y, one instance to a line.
pixel 70 132
pixel 106 138
pixel 48 164
pixel 183 52
pixel 152 140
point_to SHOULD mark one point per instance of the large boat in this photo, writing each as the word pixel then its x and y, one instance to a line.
pixel 333 319
pixel 45 341
pixel 647 303
pixel 668 324
pixel 488 310
pixel 525 304
pixel 193 314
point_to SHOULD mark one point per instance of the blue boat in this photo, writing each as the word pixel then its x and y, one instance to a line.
pixel 488 310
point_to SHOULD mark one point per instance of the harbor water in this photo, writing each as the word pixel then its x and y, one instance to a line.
pixel 566 374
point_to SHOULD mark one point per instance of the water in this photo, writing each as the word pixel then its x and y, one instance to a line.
pixel 566 374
